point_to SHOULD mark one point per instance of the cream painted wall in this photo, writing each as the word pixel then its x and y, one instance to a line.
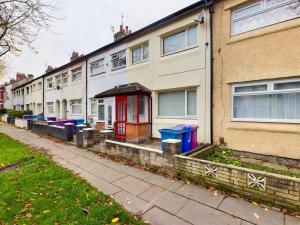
pixel 71 91
pixel 182 70
pixel 34 98
pixel 268 53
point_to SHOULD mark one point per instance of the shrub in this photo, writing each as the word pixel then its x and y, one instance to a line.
pixel 18 113
pixel 3 111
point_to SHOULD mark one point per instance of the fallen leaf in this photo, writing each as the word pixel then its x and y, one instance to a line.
pixel 266 209
pixel 46 211
pixel 254 203
pixel 115 220
pixel 256 216
pixel 28 215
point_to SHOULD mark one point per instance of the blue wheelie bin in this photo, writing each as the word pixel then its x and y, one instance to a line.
pixel 186 138
pixel 171 133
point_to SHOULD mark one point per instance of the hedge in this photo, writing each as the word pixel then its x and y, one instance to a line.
pixel 18 113
pixel 3 111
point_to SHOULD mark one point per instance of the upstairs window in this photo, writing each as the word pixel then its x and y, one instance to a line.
pixel 50 83
pixel 76 74
pixel 263 13
pixel 65 78
pixel 118 60
pixel 33 88
pixel 39 86
pixel 58 80
pixel 271 101
pixel 27 90
pixel 97 67
pixel 180 41
pixel 140 53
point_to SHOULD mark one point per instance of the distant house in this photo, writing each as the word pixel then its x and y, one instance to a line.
pixel 2 89
pixel 64 90
pixel 18 91
pixel 34 95
pixel 256 81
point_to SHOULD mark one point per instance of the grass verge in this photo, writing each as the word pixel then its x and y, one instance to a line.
pixel 40 192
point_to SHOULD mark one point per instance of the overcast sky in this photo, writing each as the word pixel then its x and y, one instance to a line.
pixel 86 26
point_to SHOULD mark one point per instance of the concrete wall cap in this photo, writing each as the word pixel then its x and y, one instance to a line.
pixel 69 123
pixel 87 129
pixel 81 125
pixel 171 141
pixel 106 131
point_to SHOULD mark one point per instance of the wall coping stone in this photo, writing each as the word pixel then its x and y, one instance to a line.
pixel 264 173
pixel 135 146
pixel 87 129
pixel 106 131
pixel 81 125
pixel 171 141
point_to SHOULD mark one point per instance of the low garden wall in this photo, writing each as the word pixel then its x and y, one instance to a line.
pixel 21 123
pixel 62 133
pixel 275 189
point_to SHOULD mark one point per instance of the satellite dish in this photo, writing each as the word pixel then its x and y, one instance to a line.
pixel 200 18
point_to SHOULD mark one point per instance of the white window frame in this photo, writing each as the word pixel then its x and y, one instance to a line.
pixel 39 86
pixel 185 104
pixel 76 72
pixel 52 105
pixel 93 101
pixel 263 8
pixel 186 41
pixel 97 64
pixel 58 80
pixel 143 59
pixel 65 76
pixel 116 56
pixel 72 104
pixel 270 90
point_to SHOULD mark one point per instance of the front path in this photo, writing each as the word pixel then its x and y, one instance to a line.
pixel 159 200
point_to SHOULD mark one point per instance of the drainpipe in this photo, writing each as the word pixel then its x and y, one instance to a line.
pixel 211 71
pixel 43 96
pixel 86 90
pixel 151 112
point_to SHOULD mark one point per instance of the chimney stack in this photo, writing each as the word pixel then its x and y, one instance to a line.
pixel 122 32
pixel 20 76
pixel 75 55
pixel 49 68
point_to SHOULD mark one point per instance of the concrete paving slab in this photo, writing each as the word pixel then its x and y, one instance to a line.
pixel 289 220
pixel 106 173
pixel 199 214
pixel 152 194
pixel 249 212
pixel 170 202
pixel 132 185
pixel 132 203
pixel 163 182
pixel 200 194
pixel 138 173
pixel 114 165
pixel 157 216
pixel 80 161
pixel 246 223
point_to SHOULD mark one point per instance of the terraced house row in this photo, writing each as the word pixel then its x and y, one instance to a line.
pixel 230 67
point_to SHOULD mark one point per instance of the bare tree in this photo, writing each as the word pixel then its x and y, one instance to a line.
pixel 21 21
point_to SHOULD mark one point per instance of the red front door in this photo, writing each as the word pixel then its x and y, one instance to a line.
pixel 121 117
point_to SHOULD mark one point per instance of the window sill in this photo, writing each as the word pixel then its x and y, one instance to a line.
pixel 118 68
pixel 267 121
pixel 177 117
pixel 97 74
pixel 183 50
pixel 76 114
pixel 139 63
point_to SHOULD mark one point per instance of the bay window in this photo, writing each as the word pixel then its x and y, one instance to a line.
pixel 76 107
pixel 180 41
pixel 263 13
pixel 140 53
pixel 270 101
pixel 177 103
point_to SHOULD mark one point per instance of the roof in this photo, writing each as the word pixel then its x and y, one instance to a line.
pixel 126 89
pixel 153 26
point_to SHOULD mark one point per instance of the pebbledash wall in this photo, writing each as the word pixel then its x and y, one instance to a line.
pixel 274 189
pixel 265 55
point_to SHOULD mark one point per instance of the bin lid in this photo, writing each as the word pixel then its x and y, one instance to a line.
pixel 187 128
pixel 172 130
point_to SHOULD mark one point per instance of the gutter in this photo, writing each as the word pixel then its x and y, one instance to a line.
pixel 86 89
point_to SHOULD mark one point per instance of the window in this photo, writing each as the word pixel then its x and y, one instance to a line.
pixel 101 112
pixel 93 106
pixel 97 67
pixel 39 108
pixel 140 53
pixel 39 86
pixel 65 78
pixel 263 13
pixel 118 60
pixel 76 74
pixel 27 107
pixel 33 88
pixel 27 90
pixel 143 110
pixel 177 103
pixel 50 83
pixel 76 106
pixel 131 109
pixel 109 115
pixel 180 41
pixel 50 108
pixel 273 101
pixel 58 80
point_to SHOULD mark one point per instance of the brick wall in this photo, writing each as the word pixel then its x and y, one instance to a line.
pixel 137 133
pixel 279 190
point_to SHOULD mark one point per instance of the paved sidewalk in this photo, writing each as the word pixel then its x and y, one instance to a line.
pixel 159 200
